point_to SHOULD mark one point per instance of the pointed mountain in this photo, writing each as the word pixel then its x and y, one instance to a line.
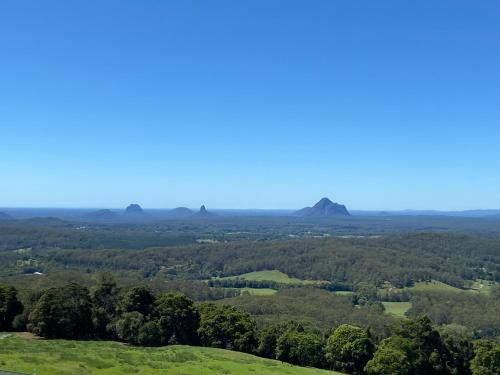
pixel 203 212
pixel 134 209
pixel 324 208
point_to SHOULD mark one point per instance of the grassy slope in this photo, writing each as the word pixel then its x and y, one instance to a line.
pixel 259 291
pixel 434 286
pixel 110 358
pixel 397 308
pixel 400 308
pixel 273 275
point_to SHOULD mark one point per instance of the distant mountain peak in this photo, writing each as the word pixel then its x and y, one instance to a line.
pixel 324 208
pixel 181 212
pixel 203 212
pixel 134 208
pixel 324 202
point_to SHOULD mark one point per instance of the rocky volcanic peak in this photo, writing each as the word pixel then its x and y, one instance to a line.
pixel 203 211
pixel 134 209
pixel 324 208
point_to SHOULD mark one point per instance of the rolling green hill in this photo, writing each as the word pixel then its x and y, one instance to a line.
pixel 111 358
pixel 271 275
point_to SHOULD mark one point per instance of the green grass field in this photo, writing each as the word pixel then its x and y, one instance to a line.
pixel 259 291
pixel 482 286
pixel 343 293
pixel 478 286
pixel 397 308
pixel 63 357
pixel 271 275
pixel 434 286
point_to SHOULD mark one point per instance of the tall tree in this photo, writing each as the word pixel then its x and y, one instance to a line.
pixel 63 313
pixel 226 327
pixel 486 358
pixel 178 319
pixel 300 348
pixel 9 307
pixel 349 348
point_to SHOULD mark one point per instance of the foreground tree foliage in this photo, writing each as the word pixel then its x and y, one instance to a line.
pixel 300 348
pixel 63 313
pixel 349 348
pixel 10 307
pixel 104 303
pixel 487 358
pixel 177 318
pixel 226 327
pixel 139 317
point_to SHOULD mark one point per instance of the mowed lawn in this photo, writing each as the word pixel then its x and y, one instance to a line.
pixel 109 358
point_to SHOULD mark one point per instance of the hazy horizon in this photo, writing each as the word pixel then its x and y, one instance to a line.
pixel 271 105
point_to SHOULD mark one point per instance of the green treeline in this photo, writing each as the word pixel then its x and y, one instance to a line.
pixel 399 260
pixel 138 316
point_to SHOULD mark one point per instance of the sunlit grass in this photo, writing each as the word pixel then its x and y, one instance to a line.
pixel 111 358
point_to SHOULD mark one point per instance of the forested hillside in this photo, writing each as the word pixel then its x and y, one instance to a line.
pixel 277 290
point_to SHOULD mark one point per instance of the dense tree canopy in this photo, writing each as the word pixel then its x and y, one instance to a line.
pixel 300 348
pixel 9 306
pixel 349 348
pixel 227 327
pixel 177 319
pixel 487 358
pixel 63 313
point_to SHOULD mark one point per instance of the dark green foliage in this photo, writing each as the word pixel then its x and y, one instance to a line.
pixel 270 334
pixel 128 327
pixel 9 307
pixel 478 312
pixel 429 355
pixel 391 358
pixel 418 349
pixel 300 348
pixel 150 334
pixel 104 303
pixel 458 343
pixel 140 299
pixel 349 348
pixel 63 313
pixel 319 306
pixel 226 327
pixel 177 319
pixel 486 358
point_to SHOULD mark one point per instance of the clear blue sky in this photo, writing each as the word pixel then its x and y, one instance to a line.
pixel 239 104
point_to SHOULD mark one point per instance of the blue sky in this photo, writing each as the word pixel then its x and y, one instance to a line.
pixel 241 104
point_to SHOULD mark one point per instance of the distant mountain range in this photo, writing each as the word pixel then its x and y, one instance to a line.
pixel 134 212
pixel 4 216
pixel 324 208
